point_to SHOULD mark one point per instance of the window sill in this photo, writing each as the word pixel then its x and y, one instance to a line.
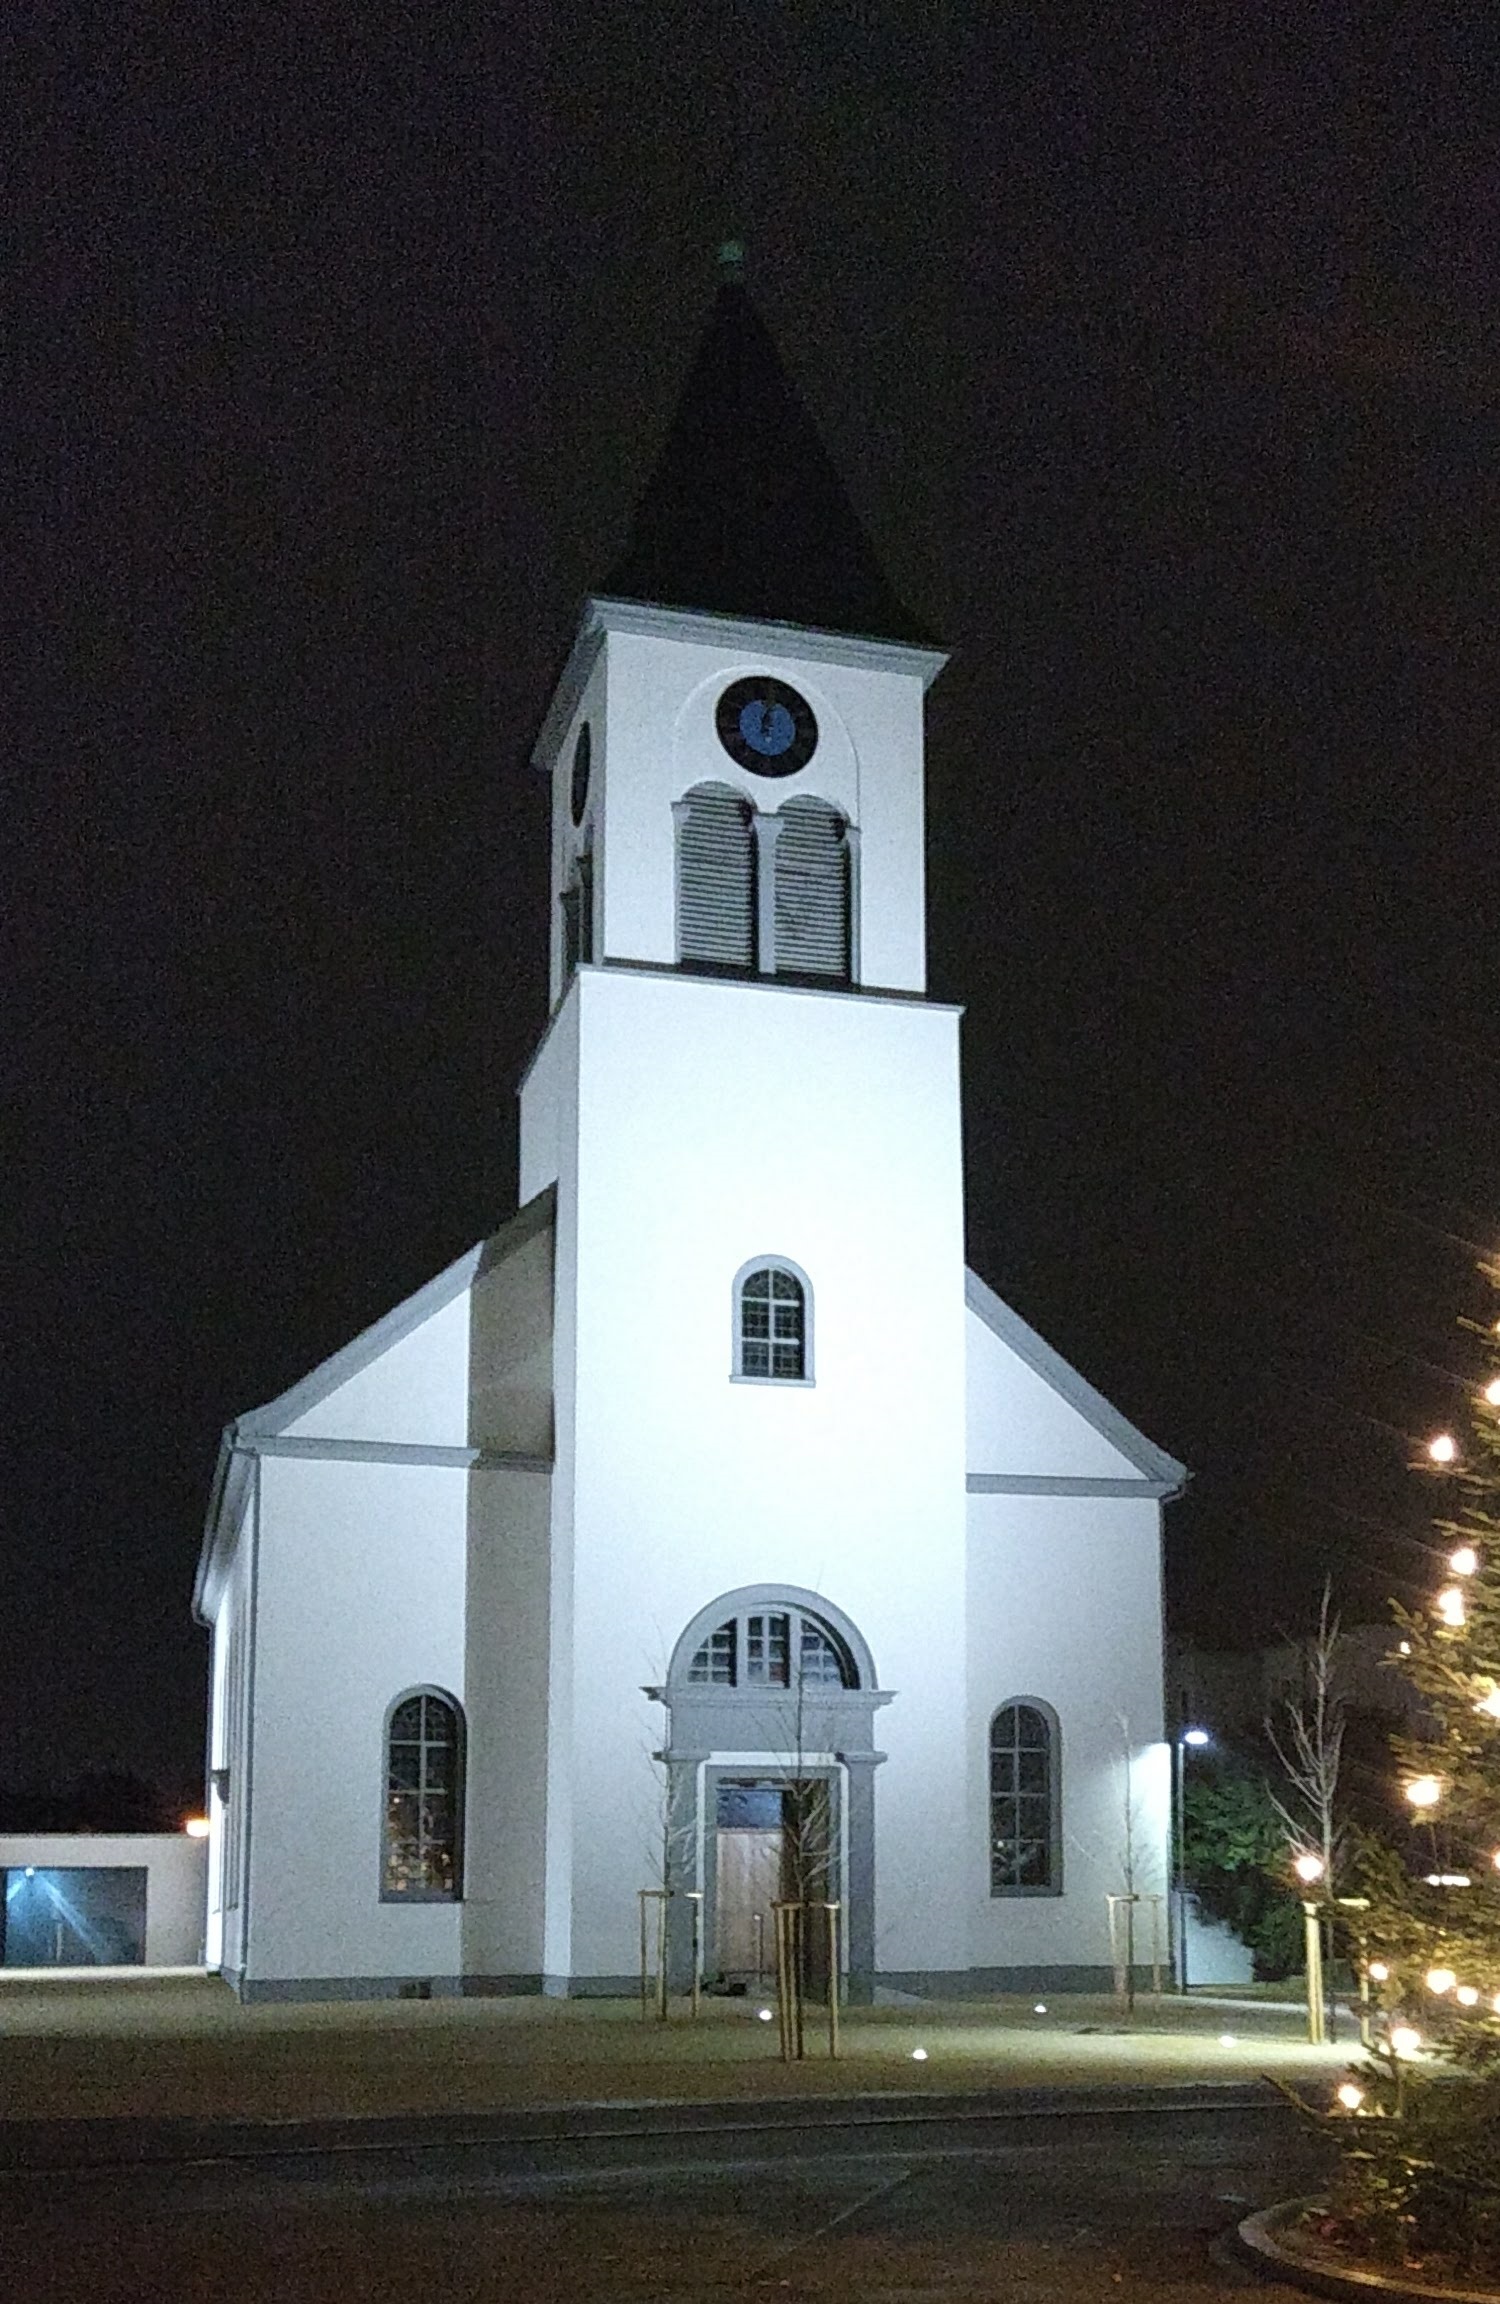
pixel 1010 1895
pixel 419 1896
pixel 780 1383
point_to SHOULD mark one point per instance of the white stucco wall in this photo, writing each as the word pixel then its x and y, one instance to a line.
pixel 650 704
pixel 1064 1603
pixel 549 1125
pixel 549 1117
pixel 416 1392
pixel 361 1596
pixel 218 1748
pixel 1215 1955
pixel 823 1128
pixel 176 1868
pixel 229 1744
pixel 509 1366
pixel 507 1636
pixel 592 831
pixel 1018 1423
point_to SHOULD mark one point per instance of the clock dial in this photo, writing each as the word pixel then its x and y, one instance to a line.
pixel 583 752
pixel 766 726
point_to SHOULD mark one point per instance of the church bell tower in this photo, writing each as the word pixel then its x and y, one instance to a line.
pixel 743 1085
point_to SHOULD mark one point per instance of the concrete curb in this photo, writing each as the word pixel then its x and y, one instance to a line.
pixel 1261 2240
pixel 52 2146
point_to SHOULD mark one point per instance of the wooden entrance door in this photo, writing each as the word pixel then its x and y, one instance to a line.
pixel 775 1842
pixel 748 1883
pixel 749 1864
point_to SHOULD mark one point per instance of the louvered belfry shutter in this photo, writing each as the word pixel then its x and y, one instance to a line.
pixel 715 879
pixel 812 891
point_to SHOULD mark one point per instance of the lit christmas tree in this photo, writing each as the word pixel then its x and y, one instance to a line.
pixel 1434 1925
pixel 1419 2125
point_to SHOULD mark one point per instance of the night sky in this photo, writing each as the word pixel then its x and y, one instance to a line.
pixel 1161 363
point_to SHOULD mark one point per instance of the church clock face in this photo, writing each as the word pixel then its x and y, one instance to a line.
pixel 766 727
pixel 583 754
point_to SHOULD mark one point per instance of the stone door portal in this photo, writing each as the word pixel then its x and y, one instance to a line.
pixel 773 1678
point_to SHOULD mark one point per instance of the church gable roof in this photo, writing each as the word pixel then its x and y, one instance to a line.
pixel 369 1401
pixel 1042 1428
pixel 299 1406
pixel 744 514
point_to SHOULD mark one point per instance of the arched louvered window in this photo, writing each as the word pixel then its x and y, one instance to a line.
pixel 421 1851
pixel 715 878
pixel 812 891
pixel 1025 1803
pixel 772 1323
pixel 772 1647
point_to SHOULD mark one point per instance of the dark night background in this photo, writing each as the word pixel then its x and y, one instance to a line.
pixel 1158 351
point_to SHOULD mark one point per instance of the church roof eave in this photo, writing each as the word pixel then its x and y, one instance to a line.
pixel 226 1503
pixel 1159 1475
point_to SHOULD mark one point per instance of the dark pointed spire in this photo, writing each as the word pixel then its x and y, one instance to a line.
pixel 744 514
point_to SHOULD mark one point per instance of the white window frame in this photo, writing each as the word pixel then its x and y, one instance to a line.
pixel 746 1272
pixel 1053 1884
pixel 460 1748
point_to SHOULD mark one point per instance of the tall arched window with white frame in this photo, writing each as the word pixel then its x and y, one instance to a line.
pixel 1025 1800
pixel 422 1824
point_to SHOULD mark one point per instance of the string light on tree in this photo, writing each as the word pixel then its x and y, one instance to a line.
pixel 1434 1904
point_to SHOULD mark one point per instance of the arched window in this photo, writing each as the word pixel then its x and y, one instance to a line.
pixel 772 1324
pixel 578 914
pixel 1025 1803
pixel 812 892
pixel 766 1646
pixel 421 1852
pixel 715 878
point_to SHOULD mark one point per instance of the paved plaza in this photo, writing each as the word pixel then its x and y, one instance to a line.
pixel 135 2046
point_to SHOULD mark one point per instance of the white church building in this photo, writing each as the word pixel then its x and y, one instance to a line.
pixel 712 1491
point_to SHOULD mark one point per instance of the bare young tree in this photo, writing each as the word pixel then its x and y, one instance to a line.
pixel 1308 1740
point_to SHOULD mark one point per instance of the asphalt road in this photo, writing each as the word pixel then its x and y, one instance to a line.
pixel 1054 2206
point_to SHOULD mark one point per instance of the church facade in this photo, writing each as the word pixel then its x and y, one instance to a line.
pixel 709 1526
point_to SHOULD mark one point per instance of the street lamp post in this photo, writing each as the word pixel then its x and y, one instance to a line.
pixel 1195 1737
pixel 1310 1871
